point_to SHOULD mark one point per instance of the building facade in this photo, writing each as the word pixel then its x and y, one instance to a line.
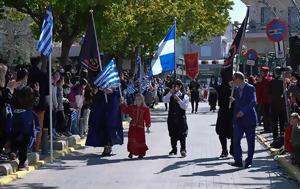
pixel 261 13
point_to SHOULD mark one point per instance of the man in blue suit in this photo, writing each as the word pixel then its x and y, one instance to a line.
pixel 244 119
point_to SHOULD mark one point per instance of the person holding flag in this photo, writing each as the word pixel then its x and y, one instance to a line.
pixel 105 122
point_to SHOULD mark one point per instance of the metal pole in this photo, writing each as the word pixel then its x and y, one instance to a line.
pixel 240 50
pixel 50 109
pixel 175 64
pixel 98 52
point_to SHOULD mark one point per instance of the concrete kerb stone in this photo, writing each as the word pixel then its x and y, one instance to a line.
pixel 291 169
pixel 4 180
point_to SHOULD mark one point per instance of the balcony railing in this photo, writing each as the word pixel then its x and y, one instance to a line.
pixel 254 27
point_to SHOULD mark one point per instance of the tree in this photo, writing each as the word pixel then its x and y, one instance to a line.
pixel 70 18
pixel 130 23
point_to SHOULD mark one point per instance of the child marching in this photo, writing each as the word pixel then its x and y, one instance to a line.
pixel 140 115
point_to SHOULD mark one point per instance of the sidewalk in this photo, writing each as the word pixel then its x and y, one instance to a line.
pixel 283 160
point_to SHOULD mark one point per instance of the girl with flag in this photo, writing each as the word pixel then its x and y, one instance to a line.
pixel 140 115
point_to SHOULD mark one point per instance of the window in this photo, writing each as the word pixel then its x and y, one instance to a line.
pixel 205 51
pixel 267 15
pixel 294 19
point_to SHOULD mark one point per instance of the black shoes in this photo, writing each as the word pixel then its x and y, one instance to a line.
pixel 183 153
pixel 130 155
pixel 173 152
pixel 224 154
pixel 140 157
pixel 248 165
pixel 236 164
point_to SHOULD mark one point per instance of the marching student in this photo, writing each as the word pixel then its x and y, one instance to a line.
pixel 177 125
pixel 140 115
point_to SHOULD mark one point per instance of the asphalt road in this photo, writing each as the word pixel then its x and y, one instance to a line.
pixel 85 169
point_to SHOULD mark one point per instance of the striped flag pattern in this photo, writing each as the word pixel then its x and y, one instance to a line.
pixel 108 77
pixel 164 59
pixel 44 45
pixel 130 89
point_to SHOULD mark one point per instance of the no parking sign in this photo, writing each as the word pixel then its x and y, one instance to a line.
pixel 277 30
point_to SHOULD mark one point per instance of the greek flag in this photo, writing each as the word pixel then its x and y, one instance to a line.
pixel 145 84
pixel 108 77
pixel 130 89
pixel 164 59
pixel 44 45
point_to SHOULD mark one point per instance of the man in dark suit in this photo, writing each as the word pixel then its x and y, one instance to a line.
pixel 244 119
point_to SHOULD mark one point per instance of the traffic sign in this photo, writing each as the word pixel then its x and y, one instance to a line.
pixel 277 30
pixel 279 50
pixel 251 54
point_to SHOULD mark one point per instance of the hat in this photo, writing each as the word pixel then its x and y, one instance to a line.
pixel 265 69
pixel 178 82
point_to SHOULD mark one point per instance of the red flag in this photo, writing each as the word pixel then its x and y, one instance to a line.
pixel 191 65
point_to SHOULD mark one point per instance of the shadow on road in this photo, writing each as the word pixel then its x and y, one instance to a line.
pixel 30 185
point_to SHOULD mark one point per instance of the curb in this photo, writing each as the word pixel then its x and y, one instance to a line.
pixel 282 160
pixel 57 154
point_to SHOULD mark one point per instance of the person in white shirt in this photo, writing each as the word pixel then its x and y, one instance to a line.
pixel 177 125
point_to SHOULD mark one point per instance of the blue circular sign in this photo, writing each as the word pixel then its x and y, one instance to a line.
pixel 277 30
pixel 251 54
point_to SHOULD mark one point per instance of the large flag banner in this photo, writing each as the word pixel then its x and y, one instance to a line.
pixel 108 77
pixel 164 58
pixel 88 54
pixel 227 68
pixel 191 65
pixel 44 45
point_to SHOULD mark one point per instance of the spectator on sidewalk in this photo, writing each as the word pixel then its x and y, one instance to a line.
pixel 6 90
pixel 140 115
pixel 37 76
pixel 278 110
pixel 244 119
pixel 295 138
pixel 177 124
pixel 263 98
pixel 24 119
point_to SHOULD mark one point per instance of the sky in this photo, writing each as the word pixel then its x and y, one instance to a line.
pixel 238 12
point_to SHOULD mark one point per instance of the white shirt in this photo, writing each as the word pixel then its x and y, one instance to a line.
pixel 184 103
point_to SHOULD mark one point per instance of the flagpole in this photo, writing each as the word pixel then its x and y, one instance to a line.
pixel 242 41
pixel 239 51
pixel 175 65
pixel 98 52
pixel 50 109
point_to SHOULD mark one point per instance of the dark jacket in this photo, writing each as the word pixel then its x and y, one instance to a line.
pixel 37 76
pixel 277 97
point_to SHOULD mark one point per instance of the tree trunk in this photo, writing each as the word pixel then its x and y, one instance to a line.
pixel 65 50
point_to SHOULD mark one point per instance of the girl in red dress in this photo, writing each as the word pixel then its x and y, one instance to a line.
pixel 140 117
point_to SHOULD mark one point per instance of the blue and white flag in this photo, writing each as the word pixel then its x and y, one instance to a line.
pixel 108 77
pixel 145 84
pixel 130 89
pixel 164 59
pixel 44 45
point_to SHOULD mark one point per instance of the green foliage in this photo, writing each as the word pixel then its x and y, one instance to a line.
pixel 133 22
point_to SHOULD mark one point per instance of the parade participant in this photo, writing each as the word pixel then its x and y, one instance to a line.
pixel 177 124
pixel 278 111
pixel 224 127
pixel 168 86
pixel 194 89
pixel 140 117
pixel 24 119
pixel 244 119
pixel 263 97
pixel 213 95
pixel 105 121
